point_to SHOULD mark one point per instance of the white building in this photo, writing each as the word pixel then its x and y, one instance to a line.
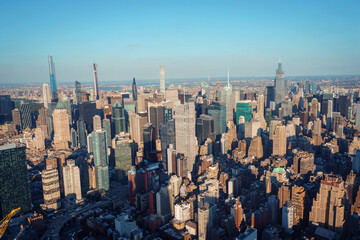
pixel 182 211
pixel 72 184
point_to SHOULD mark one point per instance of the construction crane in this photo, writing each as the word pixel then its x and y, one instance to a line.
pixel 5 222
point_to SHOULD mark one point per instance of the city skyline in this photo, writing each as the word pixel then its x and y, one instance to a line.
pixel 134 39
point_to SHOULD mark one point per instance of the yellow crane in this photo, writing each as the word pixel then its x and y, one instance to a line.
pixel 5 222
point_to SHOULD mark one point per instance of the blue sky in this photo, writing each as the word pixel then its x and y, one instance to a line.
pixel 191 38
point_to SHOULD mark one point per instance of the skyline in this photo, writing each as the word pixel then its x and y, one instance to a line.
pixel 133 39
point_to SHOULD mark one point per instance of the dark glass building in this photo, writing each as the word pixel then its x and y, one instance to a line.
pixel 204 128
pixel 25 112
pixel 14 181
pixel 118 119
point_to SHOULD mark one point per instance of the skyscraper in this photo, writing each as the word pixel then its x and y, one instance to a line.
pixel 162 79
pixel 96 83
pixel 46 95
pixel 14 187
pixel 6 106
pixel 82 133
pixel 279 144
pixel 226 98
pixel 218 111
pixel 78 92
pixel 72 183
pixel 25 115
pixel 123 157
pixel 61 127
pixel 118 118
pixel 205 128
pixel 186 141
pixel 328 207
pixel 134 90
pixel 207 220
pixel 156 116
pixel 101 159
pixel 54 96
pixel 51 188
pixel 16 118
pixel 279 85
pixel 97 123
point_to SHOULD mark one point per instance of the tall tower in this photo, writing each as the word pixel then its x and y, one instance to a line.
pixel 61 127
pixel 78 92
pixel 226 97
pixel 134 90
pixel 72 183
pixel 96 83
pixel 279 84
pixel 54 96
pixel 101 159
pixel 186 141
pixel 279 145
pixel 46 95
pixel 162 79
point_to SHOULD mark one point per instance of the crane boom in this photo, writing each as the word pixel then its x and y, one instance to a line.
pixel 5 222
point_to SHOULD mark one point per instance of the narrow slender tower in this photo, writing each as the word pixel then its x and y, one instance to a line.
pixel 134 90
pixel 96 83
pixel 162 79
pixel 54 96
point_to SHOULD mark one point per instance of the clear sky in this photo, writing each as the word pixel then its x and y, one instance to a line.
pixel 191 38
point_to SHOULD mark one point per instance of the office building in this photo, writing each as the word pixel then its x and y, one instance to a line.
pixel 61 127
pixel 118 119
pixel 74 138
pixel 78 92
pixel 81 129
pixel 87 111
pixel 52 74
pixel 298 199
pixel 270 95
pixel 106 123
pixel 218 111
pixel 123 157
pixel 97 123
pixel 156 117
pixel 279 142
pixel 16 118
pixel 280 87
pixel 206 220
pixel 205 128
pixel 96 83
pixel 226 98
pixel 134 90
pixel 46 95
pixel 287 216
pixel 256 148
pixel 328 208
pixel 101 159
pixel 26 119
pixel 72 183
pixel 186 141
pixel 14 187
pixel 162 79
pixel 313 109
pixel 137 121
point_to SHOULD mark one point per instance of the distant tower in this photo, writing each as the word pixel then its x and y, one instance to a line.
pixel 134 90
pixel 46 95
pixel 162 79
pixel 96 83
pixel 78 92
pixel 25 113
pixel 54 96
pixel 279 84
pixel 101 159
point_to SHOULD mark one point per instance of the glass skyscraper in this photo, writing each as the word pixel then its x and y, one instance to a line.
pixel 118 118
pixel 52 79
pixel 78 92
pixel 218 111
pixel 280 88
pixel 101 159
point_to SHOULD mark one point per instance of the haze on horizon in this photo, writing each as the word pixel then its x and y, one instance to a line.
pixel 193 39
